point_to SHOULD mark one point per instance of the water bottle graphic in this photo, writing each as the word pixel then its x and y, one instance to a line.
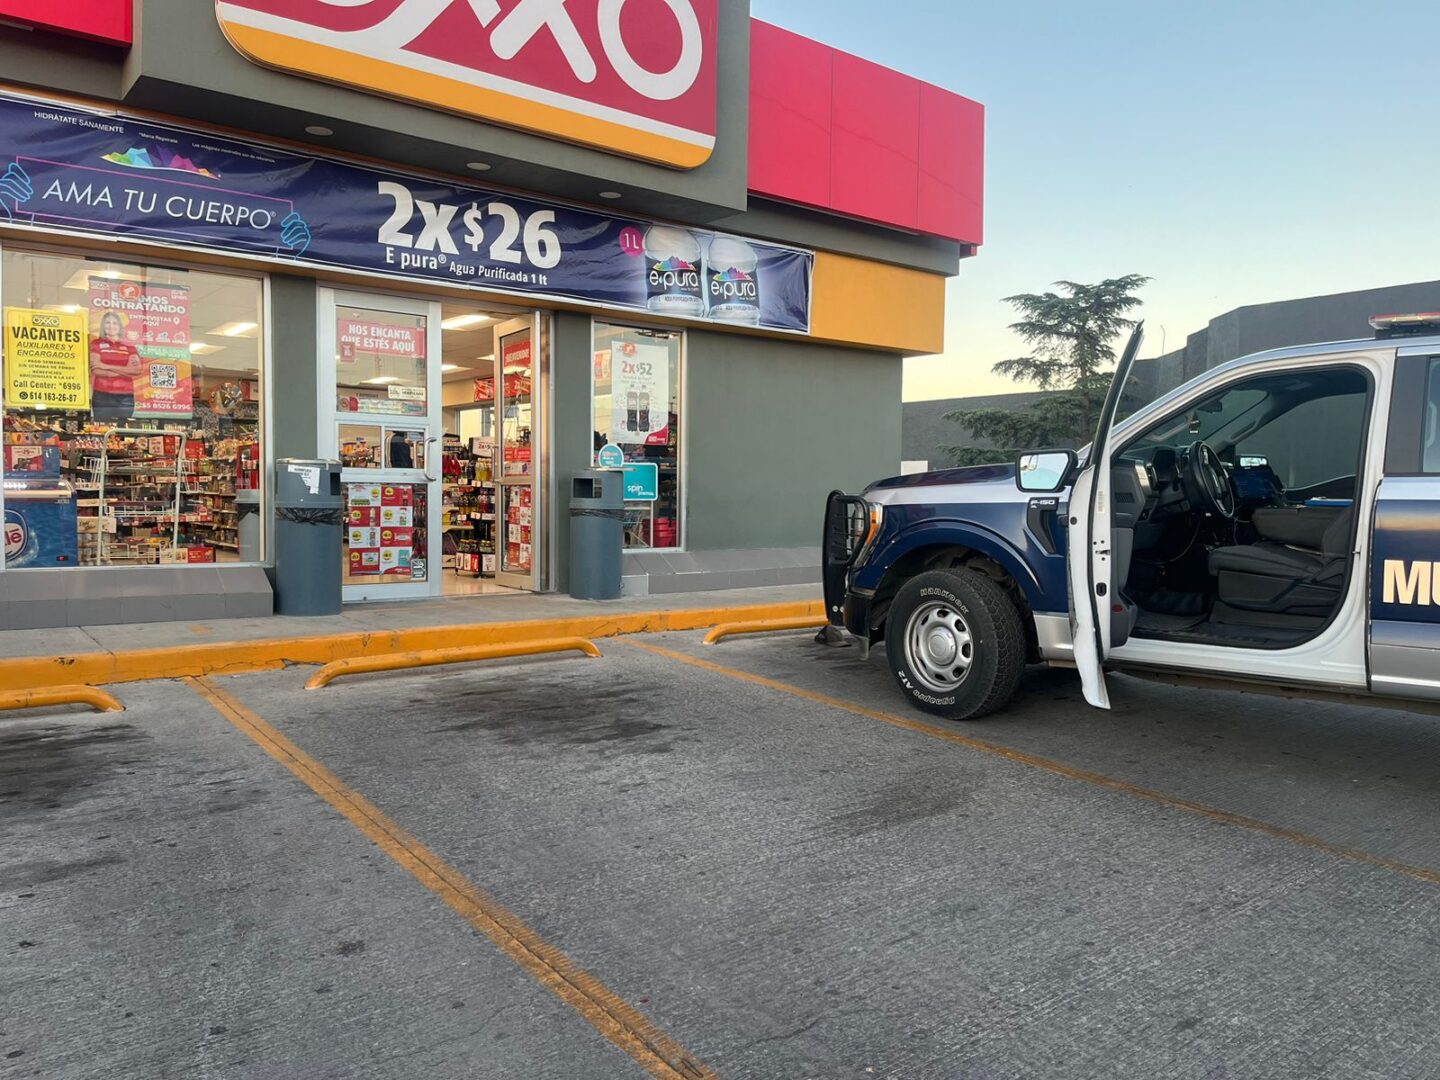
pixel 732 282
pixel 644 417
pixel 632 411
pixel 672 272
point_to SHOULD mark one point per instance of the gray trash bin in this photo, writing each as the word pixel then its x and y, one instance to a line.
pixel 597 524
pixel 247 524
pixel 309 517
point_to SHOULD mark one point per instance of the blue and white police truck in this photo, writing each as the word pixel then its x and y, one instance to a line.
pixel 1272 524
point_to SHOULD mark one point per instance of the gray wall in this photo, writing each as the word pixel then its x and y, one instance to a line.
pixel 571 424
pixel 769 429
pixel 773 426
pixel 1257 327
pixel 294 390
pixel 926 430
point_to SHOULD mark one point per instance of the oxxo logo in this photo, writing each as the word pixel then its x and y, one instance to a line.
pixel 633 77
pixel 1408 583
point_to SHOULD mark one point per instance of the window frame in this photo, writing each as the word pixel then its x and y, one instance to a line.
pixel 123 253
pixel 682 411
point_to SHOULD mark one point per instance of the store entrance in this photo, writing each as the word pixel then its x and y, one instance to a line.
pixel 439 475
pixel 381 420
pixel 492 500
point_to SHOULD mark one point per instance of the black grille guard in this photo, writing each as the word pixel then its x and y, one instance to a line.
pixel 846 522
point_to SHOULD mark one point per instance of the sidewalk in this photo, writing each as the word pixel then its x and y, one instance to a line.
pixel 97 654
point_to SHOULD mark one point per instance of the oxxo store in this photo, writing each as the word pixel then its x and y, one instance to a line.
pixel 467 250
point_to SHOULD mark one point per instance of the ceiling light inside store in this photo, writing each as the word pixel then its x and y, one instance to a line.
pixel 478 166
pixel 381 380
pixel 235 329
pixel 68 309
pixel 204 348
pixel 451 367
pixel 611 195
pixel 81 278
pixel 464 322
pixel 320 130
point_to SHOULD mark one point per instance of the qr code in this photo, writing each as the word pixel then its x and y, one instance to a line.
pixel 162 376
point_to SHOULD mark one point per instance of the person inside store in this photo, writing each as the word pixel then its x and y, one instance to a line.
pixel 400 455
pixel 114 367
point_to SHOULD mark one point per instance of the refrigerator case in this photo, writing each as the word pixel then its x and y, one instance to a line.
pixel 40 524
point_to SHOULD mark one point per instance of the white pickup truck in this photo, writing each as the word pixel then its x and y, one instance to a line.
pixel 1273 523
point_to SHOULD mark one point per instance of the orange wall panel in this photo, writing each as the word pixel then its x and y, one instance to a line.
pixel 860 302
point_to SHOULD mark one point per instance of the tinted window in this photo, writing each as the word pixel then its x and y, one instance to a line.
pixel 1430 444
pixel 1316 441
pixel 1205 419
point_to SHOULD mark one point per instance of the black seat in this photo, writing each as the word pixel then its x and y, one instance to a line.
pixel 1297 569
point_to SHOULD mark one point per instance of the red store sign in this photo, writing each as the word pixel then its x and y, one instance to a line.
pixel 632 77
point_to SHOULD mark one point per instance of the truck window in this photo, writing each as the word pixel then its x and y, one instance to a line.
pixel 1203 420
pixel 1430 461
pixel 1316 441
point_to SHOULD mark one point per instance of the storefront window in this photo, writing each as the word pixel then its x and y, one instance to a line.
pixel 380 379
pixel 132 413
pixel 637 419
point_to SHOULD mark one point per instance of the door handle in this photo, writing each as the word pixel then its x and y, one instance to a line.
pixel 428 440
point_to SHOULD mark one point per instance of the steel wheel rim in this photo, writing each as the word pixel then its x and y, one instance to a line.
pixel 939 649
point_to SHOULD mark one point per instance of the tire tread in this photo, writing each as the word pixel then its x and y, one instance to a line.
pixel 978 589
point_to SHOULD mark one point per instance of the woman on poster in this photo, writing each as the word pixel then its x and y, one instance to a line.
pixel 114 367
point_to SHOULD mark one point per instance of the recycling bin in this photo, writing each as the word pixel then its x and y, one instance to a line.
pixel 597 513
pixel 309 519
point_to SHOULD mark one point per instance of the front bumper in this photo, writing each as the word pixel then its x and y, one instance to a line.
pixel 857 614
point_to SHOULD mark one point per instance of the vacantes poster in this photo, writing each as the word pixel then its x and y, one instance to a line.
pixel 44 358
pixel 140 350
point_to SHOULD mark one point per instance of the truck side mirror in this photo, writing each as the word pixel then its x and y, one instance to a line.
pixel 1045 472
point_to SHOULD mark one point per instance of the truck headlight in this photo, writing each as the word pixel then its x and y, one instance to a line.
pixel 870 522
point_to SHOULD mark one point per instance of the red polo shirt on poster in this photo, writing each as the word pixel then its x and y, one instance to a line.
pixel 113 366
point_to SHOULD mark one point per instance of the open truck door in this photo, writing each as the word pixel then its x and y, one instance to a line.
pixel 1088 553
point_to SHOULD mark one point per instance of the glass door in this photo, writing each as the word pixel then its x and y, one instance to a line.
pixel 380 407
pixel 517 413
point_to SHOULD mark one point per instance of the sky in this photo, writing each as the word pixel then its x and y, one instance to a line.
pixel 1235 152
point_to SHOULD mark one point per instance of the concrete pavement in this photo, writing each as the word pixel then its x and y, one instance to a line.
pixel 783 886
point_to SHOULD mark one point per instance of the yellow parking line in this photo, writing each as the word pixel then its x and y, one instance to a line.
pixel 628 1029
pixel 1058 768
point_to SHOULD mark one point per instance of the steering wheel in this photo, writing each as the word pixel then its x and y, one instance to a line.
pixel 1206 481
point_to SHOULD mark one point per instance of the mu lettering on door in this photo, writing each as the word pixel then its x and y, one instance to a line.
pixel 632 77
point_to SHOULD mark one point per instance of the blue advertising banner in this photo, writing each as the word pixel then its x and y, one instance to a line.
pixel 63 168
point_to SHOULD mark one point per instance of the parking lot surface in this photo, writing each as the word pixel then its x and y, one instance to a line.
pixel 745 860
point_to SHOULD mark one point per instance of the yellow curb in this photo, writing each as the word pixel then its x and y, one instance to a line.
pixel 238 657
pixel 404 661
pixel 764 626
pixel 42 698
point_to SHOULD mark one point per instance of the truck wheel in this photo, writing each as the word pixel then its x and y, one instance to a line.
pixel 955 643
